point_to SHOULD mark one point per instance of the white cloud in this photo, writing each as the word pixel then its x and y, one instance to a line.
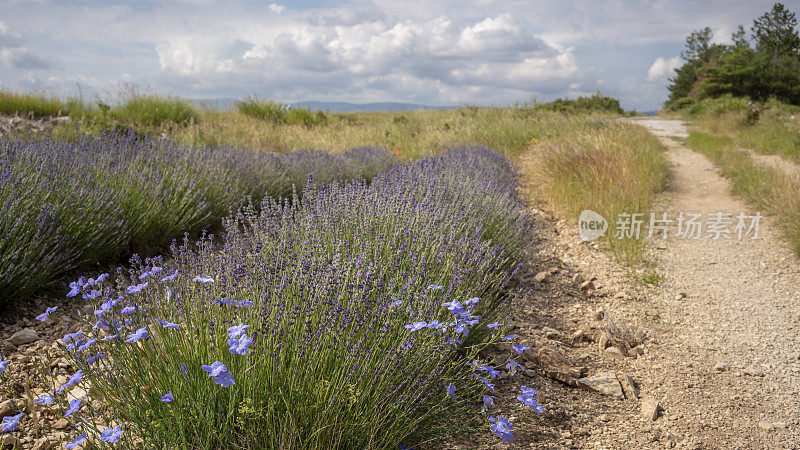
pixel 14 55
pixel 663 68
pixel 276 8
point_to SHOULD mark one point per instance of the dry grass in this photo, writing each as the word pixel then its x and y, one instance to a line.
pixel 610 168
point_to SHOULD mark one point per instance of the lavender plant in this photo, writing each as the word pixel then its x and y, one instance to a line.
pixel 68 203
pixel 351 316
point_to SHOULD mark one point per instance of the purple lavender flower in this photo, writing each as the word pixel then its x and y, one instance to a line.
pixel 494 325
pixel 111 435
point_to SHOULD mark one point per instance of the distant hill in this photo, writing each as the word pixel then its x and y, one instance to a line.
pixel 228 103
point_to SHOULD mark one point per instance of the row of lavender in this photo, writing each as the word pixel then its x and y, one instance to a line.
pixel 70 203
pixel 351 316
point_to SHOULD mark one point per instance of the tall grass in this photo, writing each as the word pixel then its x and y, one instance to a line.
pixel 608 167
pixel 339 296
pixel 767 188
pixel 31 104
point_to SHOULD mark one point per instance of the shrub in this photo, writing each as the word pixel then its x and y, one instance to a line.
pixel 304 116
pixel 319 322
pixel 153 110
pixel 31 104
pixel 262 109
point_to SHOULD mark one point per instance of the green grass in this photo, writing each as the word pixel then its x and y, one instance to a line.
pixel 766 188
pixel 31 104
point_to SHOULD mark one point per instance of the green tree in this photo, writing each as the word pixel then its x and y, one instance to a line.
pixel 775 35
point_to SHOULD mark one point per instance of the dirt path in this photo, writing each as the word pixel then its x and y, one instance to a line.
pixel 742 310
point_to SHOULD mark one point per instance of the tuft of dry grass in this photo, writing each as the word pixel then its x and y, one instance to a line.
pixel 610 168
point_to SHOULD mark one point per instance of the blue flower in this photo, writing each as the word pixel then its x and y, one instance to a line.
pixel 171 277
pixel 528 399
pixel 492 371
pixel 488 401
pixel 101 278
pixel 215 369
pixel 152 271
pixel 510 337
pixel 138 334
pixel 109 337
pixel 88 343
pixel 513 365
pixel 435 287
pixel 92 295
pixel 416 326
pixel 72 336
pixel 184 369
pixel 46 314
pixel 472 301
pixel 75 287
pixel 454 307
pixel 45 399
pixel 129 310
pixel 74 406
pixel 435 324
pixel 224 379
pixel 236 331
pixel 166 324
pixel 501 428
pixel 92 359
pixel 10 423
pixel 111 435
pixel 519 348
pixel 451 390
pixel 3 365
pixel 166 398
pixel 76 442
pixel 138 288
pixel 494 325
pixel 243 303
pixel 239 345
pixel 76 378
pixel 200 279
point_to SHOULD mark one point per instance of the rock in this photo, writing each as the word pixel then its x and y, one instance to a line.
pixel 530 373
pixel 650 408
pixel 764 425
pixel 720 367
pixel 636 351
pixel 577 278
pixel 553 270
pixel 604 383
pixel 613 353
pixel 10 441
pixel 551 333
pixel 8 347
pixel 24 336
pixel 599 314
pixel 42 444
pixel 587 286
pixel 628 387
pixel 780 425
pixel 61 119
pixel 556 366
pixel 61 424
pixel 603 343
pixel 680 296
pixel 580 335
pixel 541 277
pixel 7 408
pixel 753 372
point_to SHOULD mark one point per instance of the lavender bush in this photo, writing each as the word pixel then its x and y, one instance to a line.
pixel 351 316
pixel 69 203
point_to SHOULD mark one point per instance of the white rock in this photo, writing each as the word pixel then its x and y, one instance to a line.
pixel 24 336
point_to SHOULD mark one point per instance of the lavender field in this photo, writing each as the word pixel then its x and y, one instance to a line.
pixel 346 303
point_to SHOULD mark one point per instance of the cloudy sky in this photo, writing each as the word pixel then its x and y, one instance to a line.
pixel 437 53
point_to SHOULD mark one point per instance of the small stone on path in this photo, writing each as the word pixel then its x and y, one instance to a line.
pixel 604 383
